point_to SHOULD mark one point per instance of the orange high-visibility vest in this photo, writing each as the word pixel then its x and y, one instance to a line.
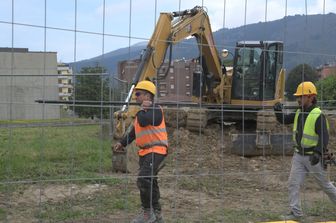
pixel 151 139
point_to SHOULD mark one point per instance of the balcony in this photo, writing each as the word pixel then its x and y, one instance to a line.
pixel 65 86
pixel 65 77
pixel 62 94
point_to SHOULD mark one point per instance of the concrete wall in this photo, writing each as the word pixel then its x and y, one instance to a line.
pixel 18 93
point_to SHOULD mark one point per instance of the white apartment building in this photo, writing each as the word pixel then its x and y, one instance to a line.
pixel 65 79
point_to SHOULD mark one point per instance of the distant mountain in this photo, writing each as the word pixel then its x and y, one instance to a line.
pixel 110 60
pixel 307 39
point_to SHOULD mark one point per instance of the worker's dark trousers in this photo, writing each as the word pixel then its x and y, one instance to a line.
pixel 147 180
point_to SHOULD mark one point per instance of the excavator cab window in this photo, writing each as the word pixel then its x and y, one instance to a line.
pixel 256 66
pixel 269 75
pixel 247 73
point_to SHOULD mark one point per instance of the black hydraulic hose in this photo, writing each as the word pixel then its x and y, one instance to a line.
pixel 169 61
pixel 144 60
pixel 191 12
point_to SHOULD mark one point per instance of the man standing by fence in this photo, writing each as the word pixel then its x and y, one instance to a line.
pixel 149 132
pixel 310 136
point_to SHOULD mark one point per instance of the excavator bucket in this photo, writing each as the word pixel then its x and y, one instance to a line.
pixel 269 138
pixel 262 144
pixel 119 161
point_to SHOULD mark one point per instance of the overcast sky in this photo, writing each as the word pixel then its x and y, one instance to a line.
pixel 125 23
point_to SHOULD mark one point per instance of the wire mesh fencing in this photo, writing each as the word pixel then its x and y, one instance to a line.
pixel 68 68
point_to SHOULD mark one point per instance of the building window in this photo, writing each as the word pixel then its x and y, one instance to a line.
pixel 172 86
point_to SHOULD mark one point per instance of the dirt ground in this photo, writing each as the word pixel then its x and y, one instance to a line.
pixel 201 182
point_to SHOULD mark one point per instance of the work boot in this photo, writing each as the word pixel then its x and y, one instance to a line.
pixel 158 216
pixel 146 215
pixel 291 216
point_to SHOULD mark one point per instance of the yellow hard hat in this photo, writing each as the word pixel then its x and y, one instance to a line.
pixel 147 86
pixel 306 88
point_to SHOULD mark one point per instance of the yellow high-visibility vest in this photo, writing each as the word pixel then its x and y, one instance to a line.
pixel 309 137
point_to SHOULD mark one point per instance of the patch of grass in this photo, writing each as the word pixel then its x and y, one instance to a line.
pixel 240 216
pixel 222 214
pixel 2 214
pixel 202 183
pixel 32 121
pixel 321 210
pixel 82 207
pixel 53 153
pixel 63 212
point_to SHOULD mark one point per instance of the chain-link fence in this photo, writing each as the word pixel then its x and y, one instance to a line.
pixel 58 119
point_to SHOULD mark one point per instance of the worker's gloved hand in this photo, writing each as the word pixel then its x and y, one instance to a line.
pixel 118 147
pixel 328 155
pixel 278 107
pixel 315 158
pixel 328 158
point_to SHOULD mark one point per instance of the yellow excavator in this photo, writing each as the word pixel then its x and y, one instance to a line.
pixel 242 94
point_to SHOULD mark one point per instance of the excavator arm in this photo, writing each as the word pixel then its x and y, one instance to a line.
pixel 170 29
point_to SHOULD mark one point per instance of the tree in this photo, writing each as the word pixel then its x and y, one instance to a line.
pixel 298 74
pixel 326 89
pixel 90 85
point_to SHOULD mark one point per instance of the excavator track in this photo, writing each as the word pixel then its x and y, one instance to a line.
pixel 197 119
pixel 193 119
pixel 331 116
pixel 272 135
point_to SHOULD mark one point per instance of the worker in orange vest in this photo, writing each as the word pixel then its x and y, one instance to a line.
pixel 150 135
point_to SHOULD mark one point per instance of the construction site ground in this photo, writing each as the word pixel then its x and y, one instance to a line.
pixel 202 181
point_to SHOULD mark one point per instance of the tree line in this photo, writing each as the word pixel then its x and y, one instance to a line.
pixel 326 87
pixel 94 85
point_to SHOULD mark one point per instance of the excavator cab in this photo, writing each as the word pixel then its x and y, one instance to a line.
pixel 257 84
pixel 256 68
